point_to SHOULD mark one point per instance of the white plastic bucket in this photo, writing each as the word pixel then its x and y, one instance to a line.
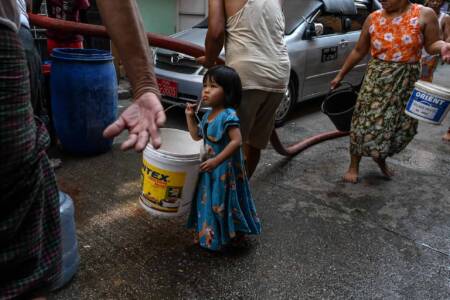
pixel 429 102
pixel 169 174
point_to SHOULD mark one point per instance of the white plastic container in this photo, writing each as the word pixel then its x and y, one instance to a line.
pixel 169 174
pixel 429 102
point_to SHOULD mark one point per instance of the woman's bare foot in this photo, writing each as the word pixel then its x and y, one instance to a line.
pixel 446 136
pixel 351 176
pixel 353 170
pixel 384 167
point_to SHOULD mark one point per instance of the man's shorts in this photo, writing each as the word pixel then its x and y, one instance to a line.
pixel 257 115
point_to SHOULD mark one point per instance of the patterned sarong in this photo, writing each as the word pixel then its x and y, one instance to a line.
pixel 380 127
pixel 30 242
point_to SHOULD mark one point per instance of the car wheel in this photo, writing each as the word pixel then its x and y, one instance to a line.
pixel 286 105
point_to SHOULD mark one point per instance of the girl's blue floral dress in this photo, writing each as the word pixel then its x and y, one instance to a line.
pixel 223 204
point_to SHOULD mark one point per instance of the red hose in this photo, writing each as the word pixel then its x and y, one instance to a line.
pixel 182 47
pixel 304 144
pixel 156 40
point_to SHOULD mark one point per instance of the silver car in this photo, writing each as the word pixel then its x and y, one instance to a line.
pixel 320 34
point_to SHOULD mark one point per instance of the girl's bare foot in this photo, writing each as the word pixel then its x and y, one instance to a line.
pixel 446 136
pixel 384 167
pixel 351 176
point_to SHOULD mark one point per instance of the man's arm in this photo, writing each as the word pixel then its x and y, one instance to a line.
pixel 215 37
pixel 142 119
pixel 125 27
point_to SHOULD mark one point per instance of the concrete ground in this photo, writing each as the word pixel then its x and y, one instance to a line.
pixel 322 238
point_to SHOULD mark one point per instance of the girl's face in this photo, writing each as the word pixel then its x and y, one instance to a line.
pixel 212 93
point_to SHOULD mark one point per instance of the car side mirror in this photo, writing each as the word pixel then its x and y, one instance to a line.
pixel 347 24
pixel 310 31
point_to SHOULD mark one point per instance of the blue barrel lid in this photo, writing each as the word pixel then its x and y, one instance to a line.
pixel 87 55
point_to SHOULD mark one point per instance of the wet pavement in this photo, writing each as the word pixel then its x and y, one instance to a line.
pixel 322 238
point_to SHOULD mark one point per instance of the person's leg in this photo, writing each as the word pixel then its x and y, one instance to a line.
pixel 353 170
pixel 250 104
pixel 381 162
pixel 253 156
pixel 262 128
pixel 30 257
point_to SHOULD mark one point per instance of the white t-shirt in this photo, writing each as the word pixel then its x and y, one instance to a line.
pixel 22 6
pixel 255 47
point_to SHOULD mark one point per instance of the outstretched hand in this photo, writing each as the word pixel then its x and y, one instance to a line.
pixel 445 53
pixel 142 120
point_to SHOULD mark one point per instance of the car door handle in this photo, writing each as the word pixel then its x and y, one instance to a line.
pixel 343 43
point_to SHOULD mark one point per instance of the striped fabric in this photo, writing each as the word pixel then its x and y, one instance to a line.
pixel 30 242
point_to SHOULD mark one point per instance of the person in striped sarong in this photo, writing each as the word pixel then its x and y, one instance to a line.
pixel 395 36
pixel 30 242
pixel 30 235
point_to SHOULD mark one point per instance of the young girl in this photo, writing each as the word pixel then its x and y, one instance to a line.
pixel 223 208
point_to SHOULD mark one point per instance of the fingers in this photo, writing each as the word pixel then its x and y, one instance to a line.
pixel 160 119
pixel 130 142
pixel 142 141
pixel 114 129
pixel 154 134
pixel 204 167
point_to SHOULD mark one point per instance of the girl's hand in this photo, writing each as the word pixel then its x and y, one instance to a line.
pixel 208 165
pixel 190 109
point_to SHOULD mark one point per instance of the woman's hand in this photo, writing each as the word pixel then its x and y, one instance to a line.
pixel 335 82
pixel 209 165
pixel 190 110
pixel 445 53
pixel 142 120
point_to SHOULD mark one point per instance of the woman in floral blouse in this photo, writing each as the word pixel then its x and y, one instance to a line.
pixel 395 36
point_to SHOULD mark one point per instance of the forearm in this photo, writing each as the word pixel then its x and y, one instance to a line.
pixel 228 151
pixel 351 61
pixel 124 25
pixel 213 47
pixel 193 128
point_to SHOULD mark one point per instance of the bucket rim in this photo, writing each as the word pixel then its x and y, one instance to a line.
pixel 171 155
pixel 335 114
pixel 175 157
pixel 434 89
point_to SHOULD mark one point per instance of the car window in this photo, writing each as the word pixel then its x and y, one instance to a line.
pixel 332 24
pixel 359 19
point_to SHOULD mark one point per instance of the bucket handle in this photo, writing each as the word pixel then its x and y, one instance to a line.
pixel 331 91
pixel 340 86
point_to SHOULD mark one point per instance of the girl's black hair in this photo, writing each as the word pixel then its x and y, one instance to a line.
pixel 230 81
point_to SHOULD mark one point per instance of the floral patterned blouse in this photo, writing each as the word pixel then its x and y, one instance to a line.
pixel 396 39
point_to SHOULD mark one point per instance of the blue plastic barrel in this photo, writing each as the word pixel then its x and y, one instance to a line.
pixel 70 255
pixel 84 98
